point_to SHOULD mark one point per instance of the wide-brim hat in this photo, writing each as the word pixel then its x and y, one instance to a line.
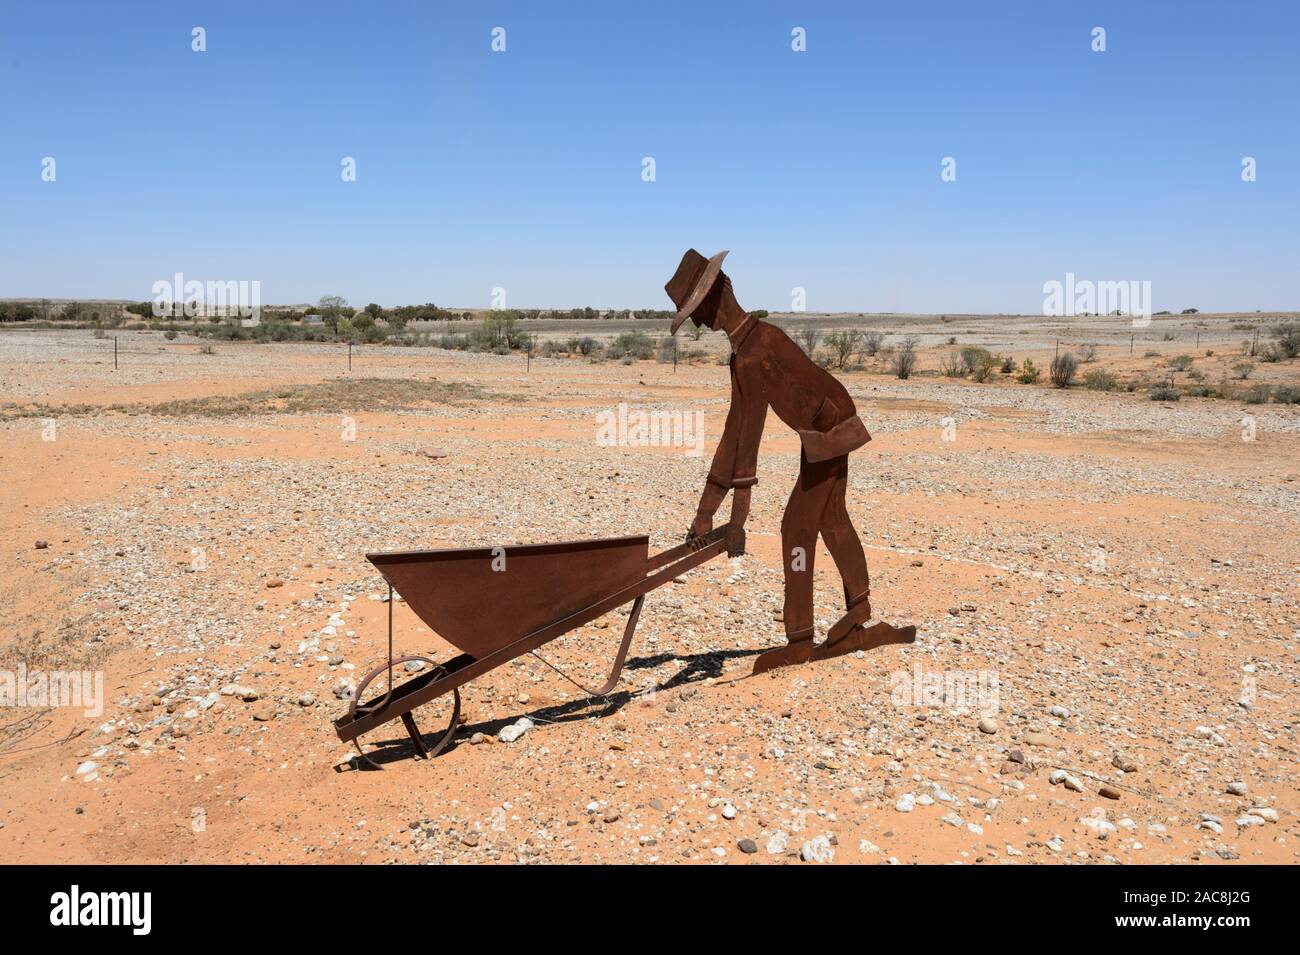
pixel 691 282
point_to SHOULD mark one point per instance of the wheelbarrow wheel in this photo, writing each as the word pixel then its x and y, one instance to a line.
pixel 424 747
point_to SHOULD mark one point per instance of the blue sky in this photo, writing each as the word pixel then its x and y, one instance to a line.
pixel 522 169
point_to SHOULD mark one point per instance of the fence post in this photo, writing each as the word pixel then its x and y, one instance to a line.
pixel 115 353
pixel 349 354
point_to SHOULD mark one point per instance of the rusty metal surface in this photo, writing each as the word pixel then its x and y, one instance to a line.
pixel 460 670
pixel 769 371
pixel 482 599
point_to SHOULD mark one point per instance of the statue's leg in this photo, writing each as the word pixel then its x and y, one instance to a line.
pixel 799 528
pixel 846 550
pixel 842 540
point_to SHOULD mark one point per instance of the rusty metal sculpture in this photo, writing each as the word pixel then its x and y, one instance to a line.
pixel 769 370
pixel 556 588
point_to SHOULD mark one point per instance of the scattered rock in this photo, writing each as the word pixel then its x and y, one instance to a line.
pixel 818 850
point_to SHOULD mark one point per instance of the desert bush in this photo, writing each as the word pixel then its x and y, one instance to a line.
pixel 985 367
pixel 170 335
pixel 1180 362
pixel 871 342
pixel 904 361
pixel 1028 373
pixel 1168 337
pixel 1087 353
pixel 1151 354
pixel 808 338
pixel 952 339
pixel 972 355
pixel 1270 354
pixel 1163 392
pixel 1063 369
pixel 1099 379
pixel 1287 336
pixel 666 351
pixel 1202 391
pixel 206 350
pixel 1257 394
pixel 1243 369
pixel 950 365
pixel 842 345
pixel 1287 395
pixel 632 345
pixel 1008 365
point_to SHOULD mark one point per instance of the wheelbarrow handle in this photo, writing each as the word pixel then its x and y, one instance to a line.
pixel 690 547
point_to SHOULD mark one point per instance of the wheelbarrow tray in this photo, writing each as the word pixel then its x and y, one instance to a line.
pixel 481 599
pixel 541 592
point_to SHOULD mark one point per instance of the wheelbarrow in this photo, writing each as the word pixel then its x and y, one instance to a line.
pixel 496 604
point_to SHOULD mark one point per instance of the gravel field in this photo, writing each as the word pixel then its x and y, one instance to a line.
pixel 1104 587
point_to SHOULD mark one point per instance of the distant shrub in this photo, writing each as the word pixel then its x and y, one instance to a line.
pixel 950 365
pixel 1180 362
pixel 905 358
pixel 1287 336
pixel 1099 379
pixel 1008 365
pixel 666 351
pixel 170 335
pixel 1028 373
pixel 632 345
pixel 1063 369
pixel 1257 394
pixel 1163 393
pixel 1286 395
pixel 952 339
pixel 808 339
pixel 843 344
pixel 1202 391
pixel 972 355
pixel 1087 353
pixel 1151 354
pixel 985 367
pixel 871 342
pixel 1243 369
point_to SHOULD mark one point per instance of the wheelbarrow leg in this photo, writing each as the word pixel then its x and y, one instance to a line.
pixel 413 731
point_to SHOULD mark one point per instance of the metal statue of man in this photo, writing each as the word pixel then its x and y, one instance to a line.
pixel 770 370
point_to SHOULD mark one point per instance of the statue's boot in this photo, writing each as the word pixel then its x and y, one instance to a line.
pixel 859 612
pixel 864 638
pixel 798 650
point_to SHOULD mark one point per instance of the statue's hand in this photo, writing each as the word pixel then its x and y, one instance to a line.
pixel 700 528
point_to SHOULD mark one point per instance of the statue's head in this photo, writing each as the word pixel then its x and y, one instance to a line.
pixel 697 289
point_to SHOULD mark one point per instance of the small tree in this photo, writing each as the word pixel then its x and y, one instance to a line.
pixel 808 338
pixel 331 310
pixel 843 344
pixel 870 343
pixel 1028 373
pixel 1063 369
pixel 1287 336
pixel 904 362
